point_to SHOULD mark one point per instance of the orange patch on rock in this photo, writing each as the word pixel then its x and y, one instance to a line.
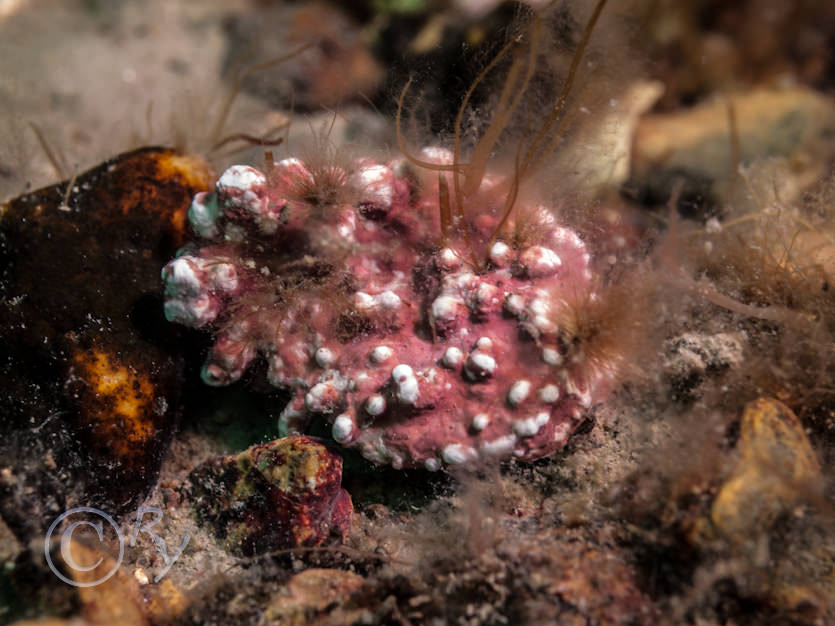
pixel 119 401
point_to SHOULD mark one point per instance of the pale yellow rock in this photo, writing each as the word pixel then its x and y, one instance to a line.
pixel 777 469
pixel 704 146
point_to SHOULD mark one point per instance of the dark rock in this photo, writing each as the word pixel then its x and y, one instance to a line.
pixel 90 370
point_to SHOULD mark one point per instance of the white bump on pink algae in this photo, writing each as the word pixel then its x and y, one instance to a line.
pixel 499 447
pixel 363 301
pixel 480 365
pixel 465 281
pixel 325 395
pixel 480 422
pixel 432 464
pixel 445 308
pixel 406 383
pixel 203 214
pixel 452 358
pixel 375 185
pixel 500 254
pixel 456 453
pixel 540 261
pixel 484 343
pixel 532 425
pixel 324 358
pixel 343 426
pixel 448 259
pixel 375 405
pixel 549 394
pixel 389 300
pixel 486 294
pixel 240 177
pixel 381 354
pixel 551 356
pixel 514 304
pixel 181 278
pixel 518 392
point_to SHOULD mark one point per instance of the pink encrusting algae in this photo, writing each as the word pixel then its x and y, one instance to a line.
pixel 416 352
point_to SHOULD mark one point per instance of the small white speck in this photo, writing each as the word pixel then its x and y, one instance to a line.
pixel 324 358
pixel 433 464
pixel 551 356
pixel 381 354
pixel 518 392
pixel 499 253
pixel 389 300
pixel 452 358
pixel 448 259
pixel 514 304
pixel 480 365
pixel 549 394
pixel 375 405
pixel 446 308
pixel 363 301
pixel 480 422
pixel 484 343
pixel 343 425
pixel 203 214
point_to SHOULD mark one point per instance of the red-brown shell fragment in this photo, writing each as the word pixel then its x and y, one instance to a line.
pixel 282 494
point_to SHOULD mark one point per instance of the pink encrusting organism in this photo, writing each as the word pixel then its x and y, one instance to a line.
pixel 421 307
pixel 416 352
